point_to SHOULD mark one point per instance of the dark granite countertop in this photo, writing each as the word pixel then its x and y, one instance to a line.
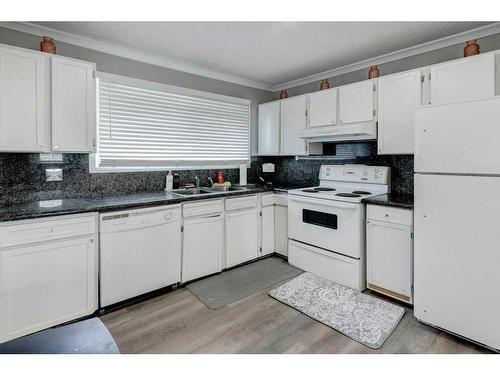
pixel 392 200
pixel 38 209
pixel 285 188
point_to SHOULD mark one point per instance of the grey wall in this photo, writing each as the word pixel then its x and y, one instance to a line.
pixel 118 65
pixel 22 176
pixel 490 43
pixel 306 171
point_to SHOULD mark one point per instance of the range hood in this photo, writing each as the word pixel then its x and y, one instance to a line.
pixel 337 133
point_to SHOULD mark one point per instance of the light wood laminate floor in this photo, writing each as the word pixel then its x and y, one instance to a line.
pixel 178 322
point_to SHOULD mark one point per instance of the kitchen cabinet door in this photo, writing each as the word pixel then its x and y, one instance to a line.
pixel 241 236
pixel 398 97
pixel 357 102
pixel 281 230
pixel 203 242
pixel 293 119
pixel 24 113
pixel 269 128
pixel 463 80
pixel 45 285
pixel 390 258
pixel 73 105
pixel 267 230
pixel 323 108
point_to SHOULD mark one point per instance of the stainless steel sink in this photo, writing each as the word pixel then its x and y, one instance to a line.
pixel 192 191
pixel 222 190
pixel 201 191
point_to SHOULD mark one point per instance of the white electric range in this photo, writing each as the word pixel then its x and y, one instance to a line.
pixel 326 224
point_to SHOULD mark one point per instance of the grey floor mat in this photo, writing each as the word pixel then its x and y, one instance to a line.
pixel 230 286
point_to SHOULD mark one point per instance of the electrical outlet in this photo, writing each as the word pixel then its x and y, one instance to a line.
pixel 51 158
pixel 53 174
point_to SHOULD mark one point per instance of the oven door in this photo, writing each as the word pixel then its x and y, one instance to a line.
pixel 331 225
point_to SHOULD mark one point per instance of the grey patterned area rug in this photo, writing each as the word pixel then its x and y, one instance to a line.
pixel 363 318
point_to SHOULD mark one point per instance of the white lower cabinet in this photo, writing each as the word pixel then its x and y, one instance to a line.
pixel 203 245
pixel 267 230
pixel 46 283
pixel 242 233
pixel 389 246
pixel 281 225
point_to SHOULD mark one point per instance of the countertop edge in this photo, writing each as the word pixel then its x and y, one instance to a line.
pixel 8 213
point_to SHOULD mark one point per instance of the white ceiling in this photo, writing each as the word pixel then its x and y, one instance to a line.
pixel 269 53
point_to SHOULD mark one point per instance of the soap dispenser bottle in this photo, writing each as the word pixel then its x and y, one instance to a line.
pixel 169 181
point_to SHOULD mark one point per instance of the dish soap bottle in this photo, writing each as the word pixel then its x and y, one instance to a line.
pixel 169 181
pixel 177 181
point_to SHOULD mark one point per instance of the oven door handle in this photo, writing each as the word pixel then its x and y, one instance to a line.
pixel 322 202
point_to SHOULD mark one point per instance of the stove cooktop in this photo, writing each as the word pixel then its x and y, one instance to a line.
pixel 338 193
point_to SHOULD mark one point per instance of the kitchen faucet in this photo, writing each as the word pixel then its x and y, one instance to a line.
pixel 211 181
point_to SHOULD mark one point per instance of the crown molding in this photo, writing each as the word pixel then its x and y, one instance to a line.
pixel 132 53
pixel 480 32
pixel 160 60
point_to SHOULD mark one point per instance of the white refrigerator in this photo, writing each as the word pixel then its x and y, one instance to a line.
pixel 457 219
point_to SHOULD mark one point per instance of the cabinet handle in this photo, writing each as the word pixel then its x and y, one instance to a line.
pixel 386 215
pixel 91 240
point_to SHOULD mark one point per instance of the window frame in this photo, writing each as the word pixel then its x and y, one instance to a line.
pixel 180 165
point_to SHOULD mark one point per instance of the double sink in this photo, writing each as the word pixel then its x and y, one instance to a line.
pixel 201 191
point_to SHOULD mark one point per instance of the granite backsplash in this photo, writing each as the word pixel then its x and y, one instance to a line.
pixel 305 171
pixel 22 176
pixel 22 179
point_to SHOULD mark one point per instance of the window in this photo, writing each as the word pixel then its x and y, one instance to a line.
pixel 144 125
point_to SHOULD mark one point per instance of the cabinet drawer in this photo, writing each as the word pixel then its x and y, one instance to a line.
pixel 281 199
pixel 241 202
pixel 38 230
pixel 390 214
pixel 267 199
pixel 202 208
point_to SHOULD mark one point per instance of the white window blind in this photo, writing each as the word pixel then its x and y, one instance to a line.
pixel 145 124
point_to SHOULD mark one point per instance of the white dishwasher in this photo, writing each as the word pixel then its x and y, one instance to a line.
pixel 140 251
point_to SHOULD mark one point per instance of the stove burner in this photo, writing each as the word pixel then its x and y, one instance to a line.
pixel 348 195
pixel 324 189
pixel 310 191
pixel 361 192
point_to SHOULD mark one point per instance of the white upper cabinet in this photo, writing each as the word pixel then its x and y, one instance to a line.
pixel 73 105
pixel 398 97
pixel 293 119
pixel 357 102
pixel 269 128
pixel 323 108
pixel 23 105
pixel 47 102
pixel 463 79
